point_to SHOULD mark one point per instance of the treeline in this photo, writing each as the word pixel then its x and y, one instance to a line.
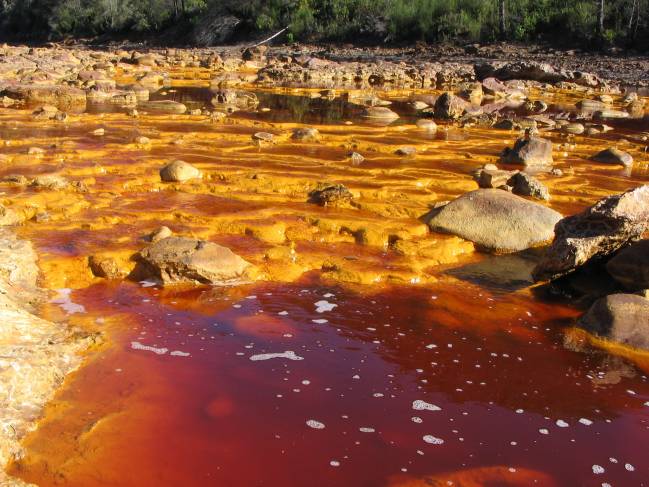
pixel 591 22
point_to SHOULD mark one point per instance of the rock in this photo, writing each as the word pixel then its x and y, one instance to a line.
pixel 233 100
pixel 50 181
pixel 306 134
pixel 630 98
pixel 493 87
pixel 178 259
pixel 380 113
pixel 356 158
pixel 106 267
pixel 574 128
pixel 630 266
pixel 406 151
pixel 525 185
pixel 488 177
pixel 163 106
pixel 159 234
pixel 45 112
pixel 530 151
pixel 610 114
pixel 261 138
pixel 595 233
pixel 622 318
pixel 496 221
pixel 591 105
pixel 449 106
pixel 331 195
pixel 427 124
pixel 613 156
pixel 472 92
pixel 63 97
pixel 178 172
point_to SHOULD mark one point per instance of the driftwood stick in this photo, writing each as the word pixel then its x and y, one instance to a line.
pixel 270 38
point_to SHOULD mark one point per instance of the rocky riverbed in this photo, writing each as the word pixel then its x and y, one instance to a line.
pixel 206 174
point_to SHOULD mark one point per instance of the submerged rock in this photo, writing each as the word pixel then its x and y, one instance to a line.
pixel 613 156
pixel 306 134
pixel 163 106
pixel 622 318
pixel 496 220
pixel 178 172
pixel 530 151
pixel 380 113
pixel 595 233
pixel 630 266
pixel 178 259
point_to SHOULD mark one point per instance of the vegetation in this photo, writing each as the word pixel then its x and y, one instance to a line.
pixel 624 22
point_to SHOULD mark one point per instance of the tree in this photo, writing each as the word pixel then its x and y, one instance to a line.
pixel 600 19
pixel 502 16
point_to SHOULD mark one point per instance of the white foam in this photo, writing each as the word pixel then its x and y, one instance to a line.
pixel 178 353
pixel 562 424
pixel 420 405
pixel 323 305
pixel 283 313
pixel 139 346
pixel 148 283
pixel 598 469
pixel 629 467
pixel 321 321
pixel 366 430
pixel 316 425
pixel 544 431
pixel 433 440
pixel 267 356
pixel 416 419
pixel 585 421
pixel 334 463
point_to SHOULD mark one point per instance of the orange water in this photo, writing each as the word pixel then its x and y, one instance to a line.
pixel 470 339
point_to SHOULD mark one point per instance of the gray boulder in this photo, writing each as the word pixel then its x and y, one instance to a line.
pixel 622 318
pixel 597 232
pixel 530 151
pixel 178 172
pixel 613 156
pixel 630 266
pixel 496 221
pixel 178 259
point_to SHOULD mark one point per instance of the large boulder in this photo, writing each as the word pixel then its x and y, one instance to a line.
pixel 530 151
pixel 179 259
pixel 623 318
pixel 597 232
pixel 496 220
pixel 450 106
pixel 630 266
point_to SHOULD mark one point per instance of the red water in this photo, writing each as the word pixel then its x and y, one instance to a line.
pixel 492 362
